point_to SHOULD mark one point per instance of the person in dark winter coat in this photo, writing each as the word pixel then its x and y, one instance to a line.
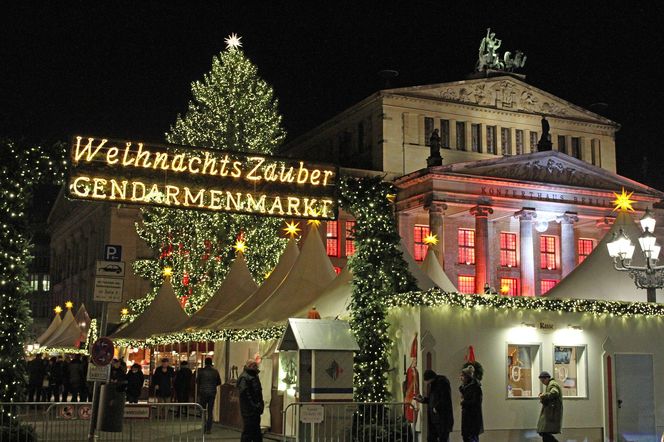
pixel 251 402
pixel 86 387
pixel 207 379
pixel 551 417
pixel 57 378
pixel 472 424
pixel 75 377
pixel 118 376
pixel 36 373
pixel 439 410
pixel 135 378
pixel 162 379
pixel 182 382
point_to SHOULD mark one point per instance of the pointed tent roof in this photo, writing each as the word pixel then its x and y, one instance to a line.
pixel 234 290
pixel 67 335
pixel 310 274
pixel 334 300
pixel 595 277
pixel 82 317
pixel 161 316
pixel 431 267
pixel 422 279
pixel 55 323
pixel 286 262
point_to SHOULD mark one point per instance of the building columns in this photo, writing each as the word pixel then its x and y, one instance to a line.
pixel 436 213
pixel 527 255
pixel 481 214
pixel 567 242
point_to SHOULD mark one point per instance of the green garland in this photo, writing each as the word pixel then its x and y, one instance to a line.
pixel 437 297
pixel 379 271
pixel 61 350
pixel 233 335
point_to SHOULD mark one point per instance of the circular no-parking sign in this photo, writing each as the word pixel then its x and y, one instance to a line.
pixel 102 352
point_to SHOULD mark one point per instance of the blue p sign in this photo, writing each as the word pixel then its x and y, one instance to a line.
pixel 112 253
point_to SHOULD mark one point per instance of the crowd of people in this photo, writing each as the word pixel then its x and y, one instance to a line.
pixel 441 417
pixel 58 379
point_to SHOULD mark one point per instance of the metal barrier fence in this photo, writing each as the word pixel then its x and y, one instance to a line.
pixel 70 422
pixel 347 422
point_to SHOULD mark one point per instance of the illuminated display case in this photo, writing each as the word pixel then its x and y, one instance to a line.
pixel 570 369
pixel 522 370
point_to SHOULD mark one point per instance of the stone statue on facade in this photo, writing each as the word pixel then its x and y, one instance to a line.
pixel 434 150
pixel 489 58
pixel 544 142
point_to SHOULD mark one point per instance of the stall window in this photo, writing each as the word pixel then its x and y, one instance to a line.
pixel 509 286
pixel 466 243
pixel 585 247
pixel 570 369
pixel 420 248
pixel 523 367
pixel 350 238
pixel 548 254
pixel 466 284
pixel 508 249
pixel 332 237
pixel 547 284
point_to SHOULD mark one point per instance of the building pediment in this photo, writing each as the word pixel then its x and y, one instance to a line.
pixel 506 93
pixel 548 167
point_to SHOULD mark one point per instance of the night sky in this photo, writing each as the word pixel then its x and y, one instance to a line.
pixel 123 68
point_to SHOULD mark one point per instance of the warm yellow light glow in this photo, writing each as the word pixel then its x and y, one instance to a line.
pixel 314 222
pixel 57 310
pixel 292 229
pixel 431 239
pixel 233 41
pixel 267 274
pixel 240 246
pixel 69 305
pixel 505 289
pixel 623 202
pixel 124 311
pixel 391 197
pixel 167 272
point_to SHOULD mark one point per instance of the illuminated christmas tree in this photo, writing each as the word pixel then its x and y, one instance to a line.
pixel 232 109
pixel 21 170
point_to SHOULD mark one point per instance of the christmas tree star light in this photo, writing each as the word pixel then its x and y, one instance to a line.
pixel 240 246
pixel 233 42
pixel 167 272
pixel 623 202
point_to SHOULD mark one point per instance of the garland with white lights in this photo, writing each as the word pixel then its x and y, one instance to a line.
pixel 379 271
pixel 437 297
pixel 233 335
pixel 58 350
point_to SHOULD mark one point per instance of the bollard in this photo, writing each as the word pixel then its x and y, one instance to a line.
pixel 111 409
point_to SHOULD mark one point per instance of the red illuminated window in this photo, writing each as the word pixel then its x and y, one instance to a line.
pixel 466 284
pixel 466 242
pixel 420 248
pixel 350 238
pixel 548 256
pixel 509 286
pixel 508 249
pixel 332 238
pixel 547 284
pixel 585 247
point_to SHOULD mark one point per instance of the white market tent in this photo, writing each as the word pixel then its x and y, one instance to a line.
pixel 234 290
pixel 161 316
pixel 68 333
pixel 595 277
pixel 83 319
pixel 281 270
pixel 311 273
pixel 432 268
pixel 424 282
pixel 334 300
pixel 55 324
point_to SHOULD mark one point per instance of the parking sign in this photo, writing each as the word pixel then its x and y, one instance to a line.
pixel 112 252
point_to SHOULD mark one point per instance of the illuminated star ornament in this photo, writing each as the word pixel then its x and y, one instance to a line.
pixel 623 202
pixel 292 229
pixel 167 272
pixel 233 42
pixel 240 246
pixel 57 310
pixel 505 289
pixel 69 305
pixel 431 239
pixel 124 311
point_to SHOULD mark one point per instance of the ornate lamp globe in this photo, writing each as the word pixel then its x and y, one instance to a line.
pixel 647 241
pixel 648 221
pixel 621 246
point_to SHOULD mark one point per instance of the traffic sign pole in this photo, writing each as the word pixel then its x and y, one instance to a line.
pixel 97 385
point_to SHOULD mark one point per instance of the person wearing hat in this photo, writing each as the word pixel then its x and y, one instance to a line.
pixel 208 379
pixel 551 417
pixel 251 402
pixel 439 409
pixel 472 423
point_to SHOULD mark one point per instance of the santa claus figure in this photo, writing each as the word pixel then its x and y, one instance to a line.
pixel 412 387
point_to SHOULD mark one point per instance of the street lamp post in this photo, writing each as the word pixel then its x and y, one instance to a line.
pixel 650 276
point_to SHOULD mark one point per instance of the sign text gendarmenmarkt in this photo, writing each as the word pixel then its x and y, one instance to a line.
pixel 122 171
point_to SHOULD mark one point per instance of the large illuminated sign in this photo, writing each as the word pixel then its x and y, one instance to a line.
pixel 130 172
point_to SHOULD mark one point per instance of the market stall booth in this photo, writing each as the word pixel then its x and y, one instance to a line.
pixel 67 335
